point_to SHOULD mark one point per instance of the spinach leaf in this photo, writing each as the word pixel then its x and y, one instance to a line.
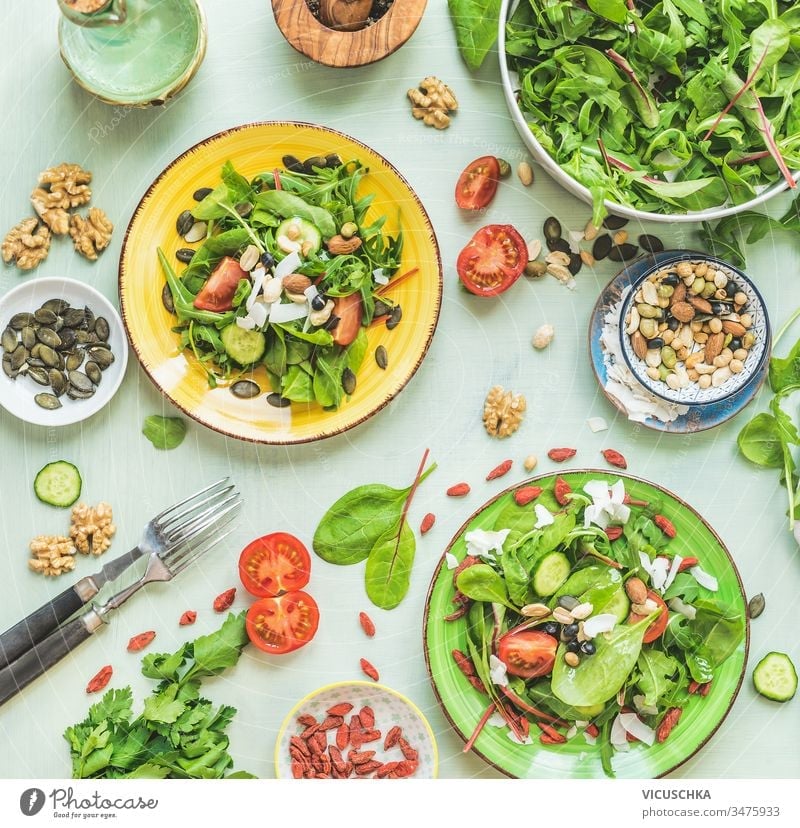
pixel 481 583
pixel 760 441
pixel 517 577
pixel 164 432
pixel 328 370
pixel 289 205
pixel 388 572
pixel 357 350
pixel 720 629
pixel 656 674
pixel 297 383
pixel 476 24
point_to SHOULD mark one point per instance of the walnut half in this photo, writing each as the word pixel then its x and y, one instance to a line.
pixel 52 555
pixel 92 234
pixel 503 412
pixel 92 528
pixel 26 244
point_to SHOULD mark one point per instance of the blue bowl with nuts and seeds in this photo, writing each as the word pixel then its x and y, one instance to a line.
pixel 694 329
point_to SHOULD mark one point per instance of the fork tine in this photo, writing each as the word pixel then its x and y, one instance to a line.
pixel 196 504
pixel 175 553
pixel 186 530
pixel 198 551
pixel 186 500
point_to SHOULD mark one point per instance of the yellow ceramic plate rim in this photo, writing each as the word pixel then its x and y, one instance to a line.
pixel 321 431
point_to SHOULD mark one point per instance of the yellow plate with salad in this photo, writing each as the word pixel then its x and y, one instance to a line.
pixel 280 282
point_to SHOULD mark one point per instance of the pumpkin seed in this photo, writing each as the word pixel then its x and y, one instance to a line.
pixel 102 328
pixel 21 320
pixel 558 244
pixel 166 299
pixel 38 375
pixel 57 380
pixel 102 356
pixel 44 316
pixel 277 401
pixel 381 309
pixel 49 401
pixel 245 389
pixel 381 357
pixel 67 339
pixel 199 195
pixel 56 305
pixel 74 361
pixel 756 606
pixel 394 317
pixel 80 381
pixel 185 255
pixel 197 232
pixel 74 318
pixel 333 160
pixel 292 163
pixel 94 373
pixel 18 357
pixel 9 339
pixel 244 208
pixel 35 350
pixel 7 369
pixel 48 337
pixel 575 263
pixel 90 320
pixel 552 228
pixel 333 321
pixel 76 394
pixel 49 357
pixel 184 223
pixel 33 362
pixel 348 381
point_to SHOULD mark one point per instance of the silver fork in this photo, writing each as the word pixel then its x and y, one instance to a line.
pixel 178 544
pixel 156 537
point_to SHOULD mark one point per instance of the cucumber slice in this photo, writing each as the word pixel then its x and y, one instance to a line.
pixel 775 677
pixel 308 234
pixel 244 347
pixel 58 484
pixel 552 571
pixel 618 605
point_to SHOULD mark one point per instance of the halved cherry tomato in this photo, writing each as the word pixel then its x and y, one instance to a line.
pixel 220 287
pixel 528 654
pixel 656 629
pixel 478 183
pixel 274 564
pixel 281 625
pixel 348 309
pixel 493 260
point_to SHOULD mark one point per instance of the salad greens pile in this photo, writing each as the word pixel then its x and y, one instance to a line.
pixel 476 23
pixel 635 666
pixel 668 106
pixel 305 362
pixel 178 735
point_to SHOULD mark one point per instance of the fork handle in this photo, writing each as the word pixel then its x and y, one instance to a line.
pixel 20 673
pixel 38 625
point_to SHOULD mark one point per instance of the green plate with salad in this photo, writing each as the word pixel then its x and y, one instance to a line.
pixel 583 625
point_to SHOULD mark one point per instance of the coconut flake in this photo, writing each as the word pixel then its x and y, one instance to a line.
pixel 514 738
pixel 640 703
pixel 658 574
pixel 259 274
pixel 604 622
pixel 497 671
pixel 496 720
pixel 619 736
pixel 687 610
pixel 597 424
pixel 544 517
pixel 287 312
pixel 673 571
pixel 590 740
pixel 575 237
pixel 259 313
pixel 484 544
pixel 451 561
pixel 646 563
pixel 380 277
pixel 704 579
pixel 288 264
pixel 572 732
pixel 247 323
pixel 636 727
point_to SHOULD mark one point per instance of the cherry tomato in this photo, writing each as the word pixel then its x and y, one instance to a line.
pixel 220 287
pixel 274 564
pixel 281 625
pixel 656 629
pixel 528 654
pixel 493 260
pixel 477 185
pixel 348 309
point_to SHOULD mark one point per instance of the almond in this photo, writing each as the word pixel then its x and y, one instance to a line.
pixel 679 294
pixel 683 311
pixel 699 304
pixel 636 590
pixel 714 346
pixel 734 328
pixel 639 344
pixel 296 283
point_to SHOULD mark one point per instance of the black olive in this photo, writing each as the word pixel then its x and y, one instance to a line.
pixel 601 247
pixel 731 289
pixel 575 263
pixel 552 228
pixel 318 302
pixel 671 279
pixel 614 222
pixel 184 255
pixel 559 244
pixel 573 646
pixel 623 252
pixel 673 324
pixel 292 163
pixel 571 630
pixel 588 648
pixel 200 194
pixel 267 261
pixel 735 344
pixel 656 342
pixel 650 243
pixel 720 308
pixel 551 628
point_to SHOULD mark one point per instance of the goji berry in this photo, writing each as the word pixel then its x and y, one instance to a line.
pixel 459 613
pixel 367 768
pixel 367 716
pixel 671 718
pixel 427 523
pixel 297 769
pixel 549 740
pixel 549 730
pixel 463 662
pixel 687 563
pixel 369 670
pixel 386 769
pixel 341 709
pixel 392 738
pixel 559 455
pixel 366 624
pixel 224 600
pixel 360 757
pixel 562 489
pixel 306 720
pixel 296 743
pixel 370 736
pixel 665 525
pixel 459 490
pixel 593 730
pixel 705 689
pixel 523 496
pixel 406 768
pixel 500 470
pixel 99 681
pixel 189 617
pixel 331 723
pixel 614 458
pixel 629 501
pixel 476 683
pixel 694 687
pixel 342 736
pixel 408 752
pixel 140 641
pixel 613 532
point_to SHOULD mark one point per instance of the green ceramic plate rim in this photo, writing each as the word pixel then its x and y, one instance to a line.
pixel 566 473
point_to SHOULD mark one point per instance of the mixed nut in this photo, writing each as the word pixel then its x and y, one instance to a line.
pixel 61 348
pixel 689 323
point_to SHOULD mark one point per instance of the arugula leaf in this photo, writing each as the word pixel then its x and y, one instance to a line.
pixel 476 24
pixel 164 432
pixel 656 673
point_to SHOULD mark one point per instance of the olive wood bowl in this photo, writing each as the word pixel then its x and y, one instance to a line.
pixel 332 47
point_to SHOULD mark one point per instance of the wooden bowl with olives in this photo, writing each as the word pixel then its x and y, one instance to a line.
pixel 694 329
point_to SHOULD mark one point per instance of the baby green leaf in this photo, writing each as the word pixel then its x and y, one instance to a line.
pixel 476 23
pixel 388 572
pixel 656 671
pixel 164 432
pixel 481 583
pixel 614 10
pixel 760 441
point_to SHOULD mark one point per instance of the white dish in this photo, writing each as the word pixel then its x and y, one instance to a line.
pixel 16 395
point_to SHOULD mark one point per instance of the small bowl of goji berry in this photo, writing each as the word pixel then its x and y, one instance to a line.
pixel 356 730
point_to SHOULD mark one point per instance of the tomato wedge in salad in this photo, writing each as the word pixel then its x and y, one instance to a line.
pixel 656 629
pixel 274 564
pixel 220 287
pixel 493 260
pixel 284 624
pixel 528 654
pixel 477 184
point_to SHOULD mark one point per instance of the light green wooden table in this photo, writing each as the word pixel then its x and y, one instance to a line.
pixel 250 74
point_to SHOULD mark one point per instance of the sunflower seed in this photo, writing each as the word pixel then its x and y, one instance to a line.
pixel 651 244
pixel 756 606
pixel 18 357
pixel 44 316
pixel 102 328
pixel 381 357
pixel 185 255
pixel 184 223
pixel 57 380
pixel 200 194
pixel 94 373
pixel 102 356
pixel 394 317
pixel 20 320
pixel 166 299
pixel 245 389
pixel 56 305
pixel 277 401
pixel 614 222
pixel 9 339
pixel 48 337
pixel 49 401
